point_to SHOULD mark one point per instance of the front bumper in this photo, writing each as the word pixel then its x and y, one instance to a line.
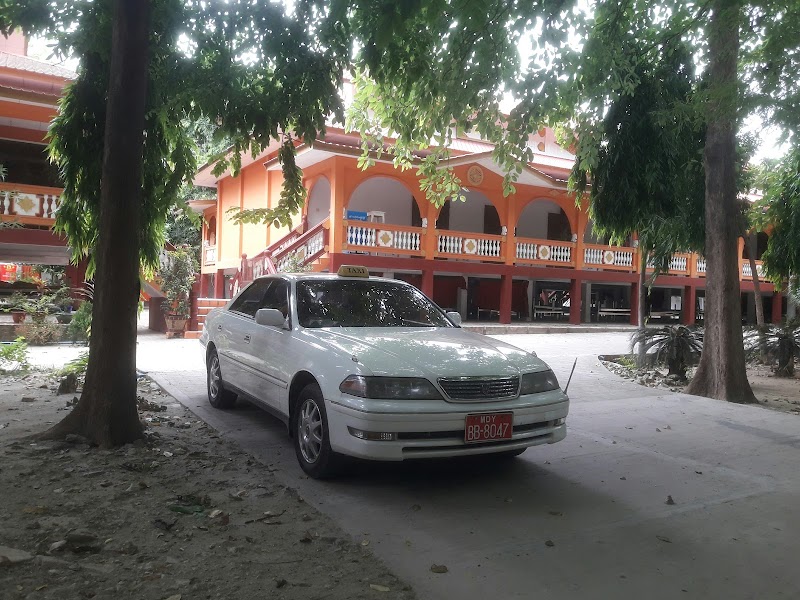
pixel 434 434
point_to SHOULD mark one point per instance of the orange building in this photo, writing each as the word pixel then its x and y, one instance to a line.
pixel 30 194
pixel 525 257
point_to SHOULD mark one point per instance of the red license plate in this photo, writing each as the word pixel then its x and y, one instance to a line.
pixel 488 427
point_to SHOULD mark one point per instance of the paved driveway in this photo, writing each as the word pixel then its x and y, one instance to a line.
pixel 584 518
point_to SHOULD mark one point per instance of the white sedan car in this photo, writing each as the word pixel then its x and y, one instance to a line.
pixel 371 368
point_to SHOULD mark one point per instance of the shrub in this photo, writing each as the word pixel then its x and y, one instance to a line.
pixel 77 366
pixel 177 275
pixel 39 333
pixel 80 327
pixel 782 345
pixel 674 345
pixel 14 355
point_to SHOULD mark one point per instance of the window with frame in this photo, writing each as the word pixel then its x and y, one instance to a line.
pixel 249 301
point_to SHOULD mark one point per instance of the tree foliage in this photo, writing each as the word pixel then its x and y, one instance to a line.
pixel 256 71
pixel 781 208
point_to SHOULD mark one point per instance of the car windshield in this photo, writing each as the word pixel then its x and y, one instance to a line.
pixel 364 303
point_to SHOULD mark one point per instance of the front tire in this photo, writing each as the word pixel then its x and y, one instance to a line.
pixel 218 396
pixel 311 435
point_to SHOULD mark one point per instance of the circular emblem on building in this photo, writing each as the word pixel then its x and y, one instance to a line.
pixel 475 175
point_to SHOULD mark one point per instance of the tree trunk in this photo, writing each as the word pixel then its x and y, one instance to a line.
pixel 641 353
pixel 721 373
pixel 106 413
pixel 762 338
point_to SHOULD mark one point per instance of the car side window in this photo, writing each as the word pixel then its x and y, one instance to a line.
pixel 249 301
pixel 277 296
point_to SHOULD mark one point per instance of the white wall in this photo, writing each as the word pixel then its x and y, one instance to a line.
pixel 468 216
pixel 388 195
pixel 319 202
pixel 532 223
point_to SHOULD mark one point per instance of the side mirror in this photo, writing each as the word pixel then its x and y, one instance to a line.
pixel 454 317
pixel 270 317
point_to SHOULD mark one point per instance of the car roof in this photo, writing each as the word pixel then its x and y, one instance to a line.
pixel 327 277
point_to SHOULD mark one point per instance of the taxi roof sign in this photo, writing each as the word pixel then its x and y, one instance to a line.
pixel 352 271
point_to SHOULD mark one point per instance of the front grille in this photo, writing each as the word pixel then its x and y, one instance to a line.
pixel 480 388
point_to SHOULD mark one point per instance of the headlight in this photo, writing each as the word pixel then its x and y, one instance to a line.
pixel 390 388
pixel 536 383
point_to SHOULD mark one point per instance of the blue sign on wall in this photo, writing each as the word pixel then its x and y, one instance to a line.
pixel 356 215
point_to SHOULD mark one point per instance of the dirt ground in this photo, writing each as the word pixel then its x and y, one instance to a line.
pixel 182 515
pixel 776 393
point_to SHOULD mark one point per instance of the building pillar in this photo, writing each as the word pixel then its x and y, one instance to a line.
pixel 777 307
pixel 505 299
pixel 531 299
pixel 634 303
pixel 587 306
pixel 688 305
pixel 427 282
pixel 219 283
pixel 575 302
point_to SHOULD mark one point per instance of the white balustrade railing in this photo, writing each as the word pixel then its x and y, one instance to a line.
pixel 360 236
pixel 616 257
pixel 380 237
pixel 26 204
pixel 678 263
pixel 450 244
pixel 748 272
pixel 701 265
pixel 209 255
pixel 547 252
pixel 464 244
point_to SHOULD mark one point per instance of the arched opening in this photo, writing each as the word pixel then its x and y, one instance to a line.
pixel 475 215
pixel 544 220
pixel 319 202
pixel 386 200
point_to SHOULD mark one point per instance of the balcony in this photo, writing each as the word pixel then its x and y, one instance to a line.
pixel 29 204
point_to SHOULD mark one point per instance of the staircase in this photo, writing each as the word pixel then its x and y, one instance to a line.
pixel 204 306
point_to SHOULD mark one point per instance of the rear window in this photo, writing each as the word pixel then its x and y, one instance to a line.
pixel 365 303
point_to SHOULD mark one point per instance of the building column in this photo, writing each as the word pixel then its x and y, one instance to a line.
pixel 777 307
pixel 203 285
pixel 587 306
pixel 427 282
pixel 219 283
pixel 531 299
pixel 505 299
pixel 688 305
pixel 634 302
pixel 575 302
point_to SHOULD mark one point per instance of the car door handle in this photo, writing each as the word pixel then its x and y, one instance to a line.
pixel 247 339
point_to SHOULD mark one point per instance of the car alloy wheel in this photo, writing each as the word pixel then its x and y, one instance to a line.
pixel 311 435
pixel 309 430
pixel 218 396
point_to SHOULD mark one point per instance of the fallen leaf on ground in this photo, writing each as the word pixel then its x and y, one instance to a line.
pixel 669 501
pixel 378 588
pixel 438 569
pixel 549 543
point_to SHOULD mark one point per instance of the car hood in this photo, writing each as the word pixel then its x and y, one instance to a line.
pixel 431 351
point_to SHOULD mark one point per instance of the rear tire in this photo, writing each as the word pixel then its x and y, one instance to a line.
pixel 310 435
pixel 218 396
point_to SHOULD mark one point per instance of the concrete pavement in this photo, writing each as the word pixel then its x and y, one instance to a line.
pixel 600 498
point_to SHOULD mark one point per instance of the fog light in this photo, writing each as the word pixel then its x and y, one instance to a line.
pixel 560 421
pixel 372 436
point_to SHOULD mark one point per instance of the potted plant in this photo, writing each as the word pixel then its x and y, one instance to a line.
pixel 17 304
pixel 177 274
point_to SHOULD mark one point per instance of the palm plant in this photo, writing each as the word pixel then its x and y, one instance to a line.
pixel 782 344
pixel 674 345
